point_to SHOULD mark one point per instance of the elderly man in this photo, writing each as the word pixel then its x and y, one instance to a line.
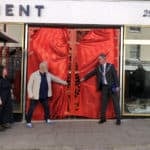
pixel 39 90
pixel 108 83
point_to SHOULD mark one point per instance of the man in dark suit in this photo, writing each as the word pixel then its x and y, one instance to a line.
pixel 108 84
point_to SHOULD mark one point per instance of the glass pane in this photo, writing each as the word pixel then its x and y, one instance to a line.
pixel 137 33
pixel 11 57
pixel 137 79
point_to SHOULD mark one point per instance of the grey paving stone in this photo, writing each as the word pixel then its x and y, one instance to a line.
pixel 134 147
pixel 133 134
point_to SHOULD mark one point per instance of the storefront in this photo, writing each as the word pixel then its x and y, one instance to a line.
pixel 70 41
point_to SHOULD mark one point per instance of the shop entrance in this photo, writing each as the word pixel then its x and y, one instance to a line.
pixel 71 53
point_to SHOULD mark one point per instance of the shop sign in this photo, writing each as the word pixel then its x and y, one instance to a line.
pixel 75 12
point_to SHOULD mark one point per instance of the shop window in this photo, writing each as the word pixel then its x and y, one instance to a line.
pixel 136 98
pixel 134 51
pixel 11 52
pixel 134 29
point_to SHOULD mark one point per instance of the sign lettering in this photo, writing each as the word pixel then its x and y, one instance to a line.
pixel 23 10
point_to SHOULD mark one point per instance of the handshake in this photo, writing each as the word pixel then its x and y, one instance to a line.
pixel 76 81
pixel 65 83
pixel 82 79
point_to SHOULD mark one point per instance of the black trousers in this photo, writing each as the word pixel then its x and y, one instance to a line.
pixel 106 94
pixel 33 104
pixel 6 115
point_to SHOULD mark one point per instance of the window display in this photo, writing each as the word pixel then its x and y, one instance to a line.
pixel 137 72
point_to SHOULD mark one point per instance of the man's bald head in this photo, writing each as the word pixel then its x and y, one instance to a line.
pixel 43 67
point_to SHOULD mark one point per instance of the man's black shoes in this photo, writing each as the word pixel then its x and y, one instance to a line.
pixel 2 128
pixel 102 121
pixel 118 122
pixel 6 125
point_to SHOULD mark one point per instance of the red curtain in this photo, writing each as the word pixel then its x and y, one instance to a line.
pixel 51 45
pixel 92 44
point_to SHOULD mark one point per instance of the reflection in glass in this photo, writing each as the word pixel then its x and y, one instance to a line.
pixel 14 67
pixel 11 57
pixel 13 60
pixel 137 32
pixel 137 79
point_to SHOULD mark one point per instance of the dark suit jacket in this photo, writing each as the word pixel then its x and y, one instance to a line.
pixel 5 90
pixel 111 75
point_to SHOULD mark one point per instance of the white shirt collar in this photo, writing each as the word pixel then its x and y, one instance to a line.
pixel 104 64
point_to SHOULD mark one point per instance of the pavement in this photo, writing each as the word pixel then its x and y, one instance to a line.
pixel 133 134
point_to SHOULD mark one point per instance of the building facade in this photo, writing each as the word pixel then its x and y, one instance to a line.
pixel 70 40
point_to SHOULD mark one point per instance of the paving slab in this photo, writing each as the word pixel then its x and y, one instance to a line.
pixel 133 134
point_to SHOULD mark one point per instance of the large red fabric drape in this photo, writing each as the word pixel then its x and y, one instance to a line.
pixel 51 45
pixel 94 43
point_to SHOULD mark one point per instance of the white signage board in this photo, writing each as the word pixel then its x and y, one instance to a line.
pixel 75 12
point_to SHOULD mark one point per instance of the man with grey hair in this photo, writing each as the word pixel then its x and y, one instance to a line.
pixel 39 90
pixel 108 84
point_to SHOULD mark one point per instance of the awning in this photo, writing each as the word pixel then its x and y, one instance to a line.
pixel 6 38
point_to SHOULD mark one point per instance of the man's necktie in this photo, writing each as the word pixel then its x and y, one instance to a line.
pixel 104 74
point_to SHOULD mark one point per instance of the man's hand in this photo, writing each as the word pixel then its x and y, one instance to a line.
pixel 82 79
pixel 1 102
pixel 65 83
pixel 31 97
pixel 117 89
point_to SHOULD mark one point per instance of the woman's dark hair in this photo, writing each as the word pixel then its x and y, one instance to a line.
pixel 1 70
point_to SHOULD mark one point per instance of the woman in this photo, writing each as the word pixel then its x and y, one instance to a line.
pixel 5 99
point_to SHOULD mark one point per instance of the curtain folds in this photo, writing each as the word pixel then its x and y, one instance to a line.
pixel 52 45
